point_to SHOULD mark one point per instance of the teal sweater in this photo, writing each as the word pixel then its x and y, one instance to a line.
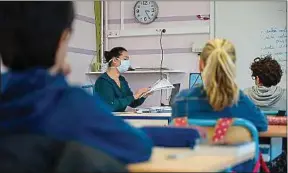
pixel 194 104
pixel 117 98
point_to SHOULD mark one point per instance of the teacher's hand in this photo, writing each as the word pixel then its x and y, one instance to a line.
pixel 149 94
pixel 140 92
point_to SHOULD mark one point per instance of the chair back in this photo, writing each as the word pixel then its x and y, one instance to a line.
pixel 270 112
pixel 241 131
pixel 89 88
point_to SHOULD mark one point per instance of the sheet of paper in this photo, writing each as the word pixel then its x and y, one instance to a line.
pixel 161 84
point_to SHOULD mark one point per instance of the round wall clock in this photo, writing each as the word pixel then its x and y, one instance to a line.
pixel 146 12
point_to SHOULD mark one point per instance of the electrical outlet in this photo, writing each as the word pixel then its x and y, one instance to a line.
pixel 159 30
pixel 113 34
pixel 196 48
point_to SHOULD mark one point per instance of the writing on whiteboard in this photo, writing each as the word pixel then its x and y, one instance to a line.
pixel 274 41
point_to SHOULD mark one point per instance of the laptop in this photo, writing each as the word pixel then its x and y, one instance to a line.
pixel 195 80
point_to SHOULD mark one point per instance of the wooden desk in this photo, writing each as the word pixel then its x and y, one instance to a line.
pixel 275 131
pixel 202 159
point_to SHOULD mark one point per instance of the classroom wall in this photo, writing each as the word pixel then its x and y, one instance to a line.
pixel 82 45
pixel 145 50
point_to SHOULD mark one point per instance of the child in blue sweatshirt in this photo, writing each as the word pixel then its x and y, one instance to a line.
pixel 35 96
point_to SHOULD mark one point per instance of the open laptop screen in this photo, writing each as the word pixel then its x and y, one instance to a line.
pixel 195 80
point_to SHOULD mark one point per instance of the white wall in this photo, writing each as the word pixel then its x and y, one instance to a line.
pixel 83 42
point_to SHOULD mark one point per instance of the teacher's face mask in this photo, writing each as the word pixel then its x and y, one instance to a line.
pixel 124 66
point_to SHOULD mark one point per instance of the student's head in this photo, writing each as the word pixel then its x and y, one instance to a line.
pixel 266 71
pixel 217 66
pixel 117 58
pixel 35 34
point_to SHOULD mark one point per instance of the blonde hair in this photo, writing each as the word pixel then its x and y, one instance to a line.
pixel 219 73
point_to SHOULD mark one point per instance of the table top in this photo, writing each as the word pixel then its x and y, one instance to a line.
pixel 143 114
pixel 275 131
pixel 204 158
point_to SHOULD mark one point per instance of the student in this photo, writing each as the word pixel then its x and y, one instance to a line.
pixel 219 96
pixel 36 98
pixel 266 94
pixel 113 87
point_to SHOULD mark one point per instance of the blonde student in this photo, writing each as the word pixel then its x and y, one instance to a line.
pixel 219 96
pixel 266 94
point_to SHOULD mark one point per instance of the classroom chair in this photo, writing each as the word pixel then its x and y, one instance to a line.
pixel 270 112
pixel 89 88
pixel 36 153
pixel 245 130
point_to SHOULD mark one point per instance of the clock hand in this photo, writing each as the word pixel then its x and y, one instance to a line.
pixel 146 11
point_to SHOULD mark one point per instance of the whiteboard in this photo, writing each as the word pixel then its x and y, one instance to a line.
pixel 256 28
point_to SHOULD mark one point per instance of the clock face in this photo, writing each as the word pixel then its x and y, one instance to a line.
pixel 146 11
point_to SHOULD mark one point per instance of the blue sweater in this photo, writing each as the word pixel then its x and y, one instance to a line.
pixel 194 104
pixel 35 102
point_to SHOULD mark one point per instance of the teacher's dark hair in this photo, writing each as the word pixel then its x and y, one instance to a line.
pixel 30 32
pixel 113 53
pixel 268 70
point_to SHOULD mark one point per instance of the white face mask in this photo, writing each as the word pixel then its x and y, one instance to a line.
pixel 124 66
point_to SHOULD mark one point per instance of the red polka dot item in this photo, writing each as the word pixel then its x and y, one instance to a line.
pixel 272 120
pixel 221 129
pixel 183 122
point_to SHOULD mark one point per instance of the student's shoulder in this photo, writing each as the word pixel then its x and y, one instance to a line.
pixel 243 97
pixel 194 93
pixel 245 103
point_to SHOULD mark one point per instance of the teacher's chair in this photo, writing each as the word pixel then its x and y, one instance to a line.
pixel 89 88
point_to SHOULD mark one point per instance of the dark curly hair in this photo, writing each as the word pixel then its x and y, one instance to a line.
pixel 268 70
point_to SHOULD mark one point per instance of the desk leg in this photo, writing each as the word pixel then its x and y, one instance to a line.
pixel 276 147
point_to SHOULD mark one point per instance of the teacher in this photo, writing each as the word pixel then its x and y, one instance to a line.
pixel 112 87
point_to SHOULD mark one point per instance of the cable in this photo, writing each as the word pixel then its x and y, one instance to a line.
pixel 162 53
pixel 161 63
